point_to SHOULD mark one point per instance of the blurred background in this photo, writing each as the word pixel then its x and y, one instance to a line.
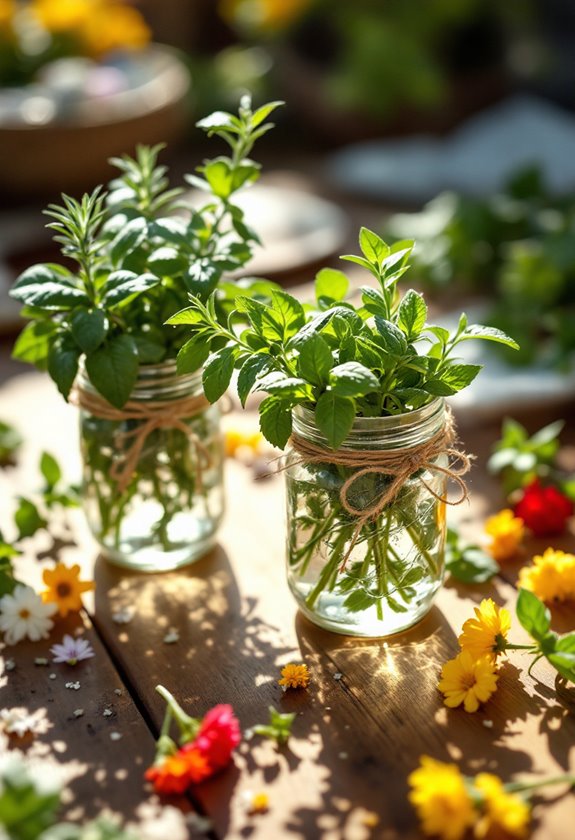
pixel 448 121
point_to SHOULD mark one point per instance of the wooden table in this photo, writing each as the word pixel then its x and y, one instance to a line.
pixel 355 739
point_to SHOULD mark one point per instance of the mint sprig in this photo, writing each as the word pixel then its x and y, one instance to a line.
pixel 339 360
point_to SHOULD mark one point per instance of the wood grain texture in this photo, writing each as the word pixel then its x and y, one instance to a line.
pixel 356 738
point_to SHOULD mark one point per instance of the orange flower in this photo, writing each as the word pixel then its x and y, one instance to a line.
pixel 177 772
pixel 114 27
pixel 294 676
pixel 65 588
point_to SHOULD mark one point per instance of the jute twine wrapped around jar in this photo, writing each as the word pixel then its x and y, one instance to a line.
pixel 399 464
pixel 152 414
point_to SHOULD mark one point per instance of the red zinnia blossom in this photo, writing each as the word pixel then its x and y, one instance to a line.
pixel 544 510
pixel 177 772
pixel 218 736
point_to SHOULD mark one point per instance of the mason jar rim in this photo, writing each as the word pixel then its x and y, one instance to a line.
pixel 153 379
pixel 406 429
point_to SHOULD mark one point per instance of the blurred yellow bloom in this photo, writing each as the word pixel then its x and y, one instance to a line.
pixel 506 531
pixel 487 632
pixel 263 14
pixel 236 439
pixel 113 26
pixel 258 803
pixel 440 797
pixel 467 680
pixel 63 15
pixel 551 577
pixel 294 676
pixel 7 9
pixel 503 811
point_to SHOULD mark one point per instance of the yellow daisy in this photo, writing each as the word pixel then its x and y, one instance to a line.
pixel 65 588
pixel 294 676
pixel 440 797
pixel 506 531
pixel 551 577
pixel 504 812
pixel 467 680
pixel 487 632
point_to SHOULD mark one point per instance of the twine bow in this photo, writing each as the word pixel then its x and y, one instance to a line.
pixel 158 414
pixel 400 464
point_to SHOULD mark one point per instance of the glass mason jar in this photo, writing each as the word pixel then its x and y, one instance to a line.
pixel 165 512
pixel 366 577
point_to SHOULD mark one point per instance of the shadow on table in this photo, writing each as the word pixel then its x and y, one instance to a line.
pixel 194 632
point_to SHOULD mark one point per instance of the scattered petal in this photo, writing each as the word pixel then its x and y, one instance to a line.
pixel 118 691
pixel 338 676
pixel 107 713
pixel 40 660
pixel 78 713
pixel 123 615
pixel 171 637
pixel 52 676
pixel 256 803
pixel 9 665
pixel 73 685
pixel 115 736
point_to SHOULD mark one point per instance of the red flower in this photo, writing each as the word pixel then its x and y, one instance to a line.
pixel 178 771
pixel 544 510
pixel 218 736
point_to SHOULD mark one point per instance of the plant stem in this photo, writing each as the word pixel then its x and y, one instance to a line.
pixel 517 787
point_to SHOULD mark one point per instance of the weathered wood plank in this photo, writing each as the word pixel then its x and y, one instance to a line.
pixel 356 738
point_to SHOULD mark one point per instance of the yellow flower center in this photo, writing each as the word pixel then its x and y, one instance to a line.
pixel 468 681
pixel 24 613
pixel 64 590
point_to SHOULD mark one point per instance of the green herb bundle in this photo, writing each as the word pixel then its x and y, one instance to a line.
pixel 137 252
pixel 341 362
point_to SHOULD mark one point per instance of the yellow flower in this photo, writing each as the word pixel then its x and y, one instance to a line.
pixel 440 797
pixel 504 812
pixel 262 14
pixel 63 15
pixel 487 632
pixel 294 676
pixel 113 26
pixel 506 531
pixel 65 588
pixel 467 680
pixel 551 577
pixel 7 10
pixel 236 440
pixel 257 803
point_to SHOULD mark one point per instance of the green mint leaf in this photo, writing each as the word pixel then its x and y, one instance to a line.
pixel 33 343
pixel 123 286
pixel 263 113
pixel 113 369
pixel 279 384
pixel 190 315
pixel 331 286
pixel 201 277
pixel 563 662
pixel 470 565
pixel 89 328
pixel 171 230
pixel 412 314
pixel 533 615
pixel 130 237
pixel 254 367
pixel 393 338
pixel 218 373
pixel 352 379
pixel 487 334
pixel 374 302
pixel 50 469
pixel 219 175
pixel 288 312
pixel 334 416
pixel 48 286
pixel 28 519
pixel 192 355
pixel 166 261
pixel 315 360
pixel 264 320
pixel 374 249
pixel 451 380
pixel 276 420
pixel 63 364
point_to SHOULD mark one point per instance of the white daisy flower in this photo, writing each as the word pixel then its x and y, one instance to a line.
pixel 24 614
